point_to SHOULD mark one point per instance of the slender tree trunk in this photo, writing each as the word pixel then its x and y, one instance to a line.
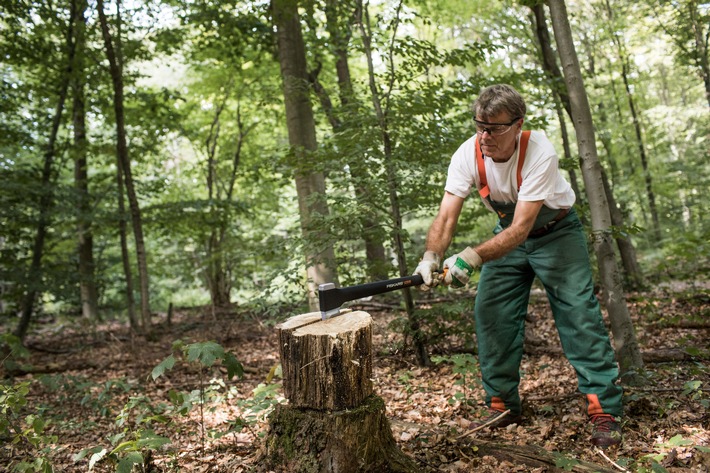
pixel 624 59
pixel 559 89
pixel 87 280
pixel 125 254
pixel 216 273
pixel 632 269
pixel 634 276
pixel 566 147
pixel 116 69
pixel 626 248
pixel 627 348
pixel 701 36
pixel 310 184
pixel 391 172
pixel 35 273
pixel 375 255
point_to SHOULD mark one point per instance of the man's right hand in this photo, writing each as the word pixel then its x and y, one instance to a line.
pixel 426 268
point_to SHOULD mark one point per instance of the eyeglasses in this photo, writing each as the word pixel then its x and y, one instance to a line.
pixel 494 129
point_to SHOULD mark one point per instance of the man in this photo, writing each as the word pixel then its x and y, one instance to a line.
pixel 538 235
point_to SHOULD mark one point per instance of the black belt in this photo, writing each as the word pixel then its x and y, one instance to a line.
pixel 545 229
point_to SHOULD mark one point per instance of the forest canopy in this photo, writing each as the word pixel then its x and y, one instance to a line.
pixel 145 158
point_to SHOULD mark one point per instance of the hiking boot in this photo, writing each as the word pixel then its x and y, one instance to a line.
pixel 491 414
pixel 606 431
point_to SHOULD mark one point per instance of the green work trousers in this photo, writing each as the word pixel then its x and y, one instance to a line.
pixel 561 261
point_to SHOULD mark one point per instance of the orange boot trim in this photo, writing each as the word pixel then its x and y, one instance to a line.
pixel 497 404
pixel 594 407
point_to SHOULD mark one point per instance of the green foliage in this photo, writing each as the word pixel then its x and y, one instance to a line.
pixel 25 431
pixel 125 454
pixel 204 354
pixel 565 462
pixel 465 366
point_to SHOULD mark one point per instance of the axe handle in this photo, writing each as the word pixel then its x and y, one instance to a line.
pixel 379 287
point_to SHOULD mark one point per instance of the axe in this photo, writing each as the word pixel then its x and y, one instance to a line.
pixel 331 297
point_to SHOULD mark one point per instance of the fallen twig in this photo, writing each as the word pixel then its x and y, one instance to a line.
pixel 482 426
pixel 599 451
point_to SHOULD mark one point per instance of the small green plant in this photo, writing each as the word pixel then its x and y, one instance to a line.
pixel 205 355
pixel 25 432
pixel 254 409
pixel 125 454
pixel 405 379
pixel 466 366
pixel 693 390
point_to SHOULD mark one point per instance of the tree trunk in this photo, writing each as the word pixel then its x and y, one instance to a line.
pixel 627 349
pixel 116 70
pixel 125 254
pixel 310 184
pixel 87 280
pixel 34 275
pixel 216 272
pixel 626 248
pixel 375 256
pixel 333 422
pixel 391 175
pixel 557 82
pixel 624 59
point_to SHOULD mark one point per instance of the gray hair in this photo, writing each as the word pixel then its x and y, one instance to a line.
pixel 496 99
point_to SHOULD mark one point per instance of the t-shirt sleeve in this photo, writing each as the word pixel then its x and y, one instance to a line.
pixel 460 177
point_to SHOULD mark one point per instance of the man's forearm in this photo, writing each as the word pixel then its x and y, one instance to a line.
pixel 440 234
pixel 501 244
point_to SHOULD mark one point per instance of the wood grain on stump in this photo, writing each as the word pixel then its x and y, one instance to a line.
pixel 333 421
pixel 329 362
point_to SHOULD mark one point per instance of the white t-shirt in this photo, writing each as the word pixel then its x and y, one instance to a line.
pixel 542 179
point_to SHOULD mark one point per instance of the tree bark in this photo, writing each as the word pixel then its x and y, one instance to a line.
pixel 557 84
pixel 310 183
pixel 381 106
pixel 87 281
pixel 116 70
pixel 627 348
pixel 125 254
pixel 333 422
pixel 534 457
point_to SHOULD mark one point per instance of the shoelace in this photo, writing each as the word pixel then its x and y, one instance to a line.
pixel 603 423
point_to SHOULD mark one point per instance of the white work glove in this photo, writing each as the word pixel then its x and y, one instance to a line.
pixel 426 268
pixel 461 266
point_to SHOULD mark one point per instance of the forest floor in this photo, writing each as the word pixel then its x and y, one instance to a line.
pixel 95 389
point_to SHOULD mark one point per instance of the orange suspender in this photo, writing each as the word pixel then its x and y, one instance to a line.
pixel 483 190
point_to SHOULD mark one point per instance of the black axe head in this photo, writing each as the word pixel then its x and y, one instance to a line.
pixel 330 300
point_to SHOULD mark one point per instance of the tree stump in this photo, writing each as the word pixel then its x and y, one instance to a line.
pixel 333 421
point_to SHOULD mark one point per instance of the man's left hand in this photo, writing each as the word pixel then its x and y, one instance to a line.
pixel 461 266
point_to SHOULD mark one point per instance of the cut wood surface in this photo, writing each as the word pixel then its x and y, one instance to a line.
pixel 327 364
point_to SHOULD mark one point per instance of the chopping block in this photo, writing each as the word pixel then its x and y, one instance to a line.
pixel 333 421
